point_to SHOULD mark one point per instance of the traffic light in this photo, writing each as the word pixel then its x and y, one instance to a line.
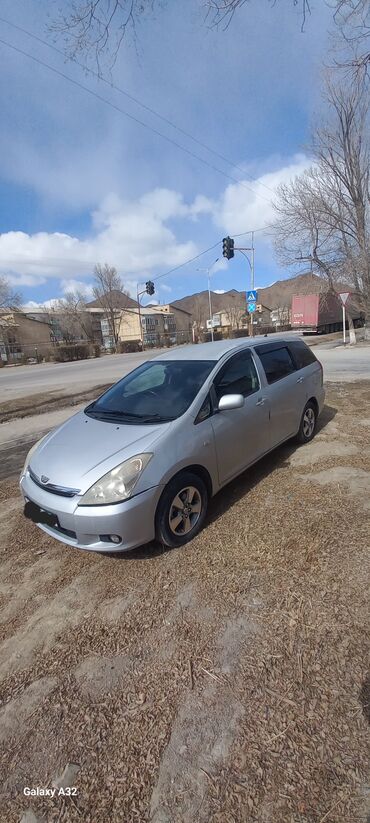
pixel 149 287
pixel 228 247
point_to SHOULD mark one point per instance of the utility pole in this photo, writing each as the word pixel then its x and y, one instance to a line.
pixel 208 270
pixel 149 289
pixel 140 325
pixel 243 249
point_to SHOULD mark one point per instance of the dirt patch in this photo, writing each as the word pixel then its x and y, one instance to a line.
pixel 319 450
pixel 225 681
pixel 44 402
pixel 202 734
pixel 357 481
pixel 98 675
pixel 63 611
pixel 16 713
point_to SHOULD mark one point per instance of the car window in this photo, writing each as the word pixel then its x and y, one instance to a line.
pixel 302 355
pixel 239 376
pixel 277 363
pixel 149 379
pixel 205 410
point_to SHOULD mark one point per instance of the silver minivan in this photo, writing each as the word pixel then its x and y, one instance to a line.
pixel 142 461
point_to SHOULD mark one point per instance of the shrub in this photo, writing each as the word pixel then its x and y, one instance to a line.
pixel 73 351
pixel 239 333
pixel 97 350
pixel 128 346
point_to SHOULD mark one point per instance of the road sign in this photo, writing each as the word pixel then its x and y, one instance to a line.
pixel 252 296
pixel 251 307
pixel 344 295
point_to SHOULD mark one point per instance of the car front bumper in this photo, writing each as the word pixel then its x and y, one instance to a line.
pixel 87 527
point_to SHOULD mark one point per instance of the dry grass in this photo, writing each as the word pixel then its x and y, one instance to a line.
pixel 222 682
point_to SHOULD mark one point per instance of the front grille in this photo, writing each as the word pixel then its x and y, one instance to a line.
pixel 62 491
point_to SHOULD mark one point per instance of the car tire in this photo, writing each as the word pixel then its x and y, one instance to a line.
pixel 307 426
pixel 181 510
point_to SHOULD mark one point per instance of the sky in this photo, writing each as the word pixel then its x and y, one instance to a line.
pixel 83 183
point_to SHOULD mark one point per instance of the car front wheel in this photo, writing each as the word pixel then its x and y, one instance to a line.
pixel 181 510
pixel 308 423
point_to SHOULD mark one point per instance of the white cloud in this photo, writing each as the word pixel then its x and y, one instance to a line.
pixel 246 205
pixel 133 236
pixel 138 236
pixel 21 279
pixel 47 304
pixel 77 286
pixel 219 291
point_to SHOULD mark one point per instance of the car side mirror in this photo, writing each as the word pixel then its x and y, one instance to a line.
pixel 230 401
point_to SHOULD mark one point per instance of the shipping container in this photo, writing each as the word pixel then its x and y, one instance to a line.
pixel 322 313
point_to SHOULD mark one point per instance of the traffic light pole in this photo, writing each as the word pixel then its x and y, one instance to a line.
pixel 141 327
pixel 251 265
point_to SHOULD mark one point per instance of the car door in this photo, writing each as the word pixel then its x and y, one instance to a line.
pixel 284 389
pixel 241 435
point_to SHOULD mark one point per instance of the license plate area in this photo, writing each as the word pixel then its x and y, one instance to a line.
pixel 38 515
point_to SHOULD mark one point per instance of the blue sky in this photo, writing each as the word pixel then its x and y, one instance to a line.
pixel 80 183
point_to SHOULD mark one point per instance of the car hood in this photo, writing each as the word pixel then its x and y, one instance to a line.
pixel 82 450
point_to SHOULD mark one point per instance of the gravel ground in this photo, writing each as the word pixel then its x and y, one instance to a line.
pixel 226 681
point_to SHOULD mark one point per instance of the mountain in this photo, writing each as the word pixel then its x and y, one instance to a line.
pixel 198 304
pixel 278 295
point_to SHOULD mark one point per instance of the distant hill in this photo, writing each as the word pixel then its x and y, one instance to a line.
pixel 198 306
pixel 278 295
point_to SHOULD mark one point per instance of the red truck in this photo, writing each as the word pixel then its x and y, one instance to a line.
pixel 322 313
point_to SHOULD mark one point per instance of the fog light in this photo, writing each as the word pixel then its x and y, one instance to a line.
pixel 110 538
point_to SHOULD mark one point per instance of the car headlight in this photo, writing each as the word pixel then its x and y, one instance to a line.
pixel 118 484
pixel 30 453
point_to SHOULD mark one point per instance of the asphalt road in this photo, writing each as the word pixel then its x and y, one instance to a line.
pixel 22 381
pixel 340 363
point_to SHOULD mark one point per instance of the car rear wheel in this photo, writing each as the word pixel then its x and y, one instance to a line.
pixel 308 423
pixel 181 510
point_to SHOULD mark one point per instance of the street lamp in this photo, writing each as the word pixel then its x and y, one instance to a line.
pixel 208 270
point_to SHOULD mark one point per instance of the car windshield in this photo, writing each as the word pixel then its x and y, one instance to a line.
pixel 156 392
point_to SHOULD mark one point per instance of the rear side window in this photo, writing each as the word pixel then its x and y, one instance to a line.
pixel 277 363
pixel 302 355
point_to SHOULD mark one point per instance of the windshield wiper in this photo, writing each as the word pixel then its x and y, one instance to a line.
pixel 117 415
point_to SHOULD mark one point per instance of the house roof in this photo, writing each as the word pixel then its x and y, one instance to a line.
pixel 119 300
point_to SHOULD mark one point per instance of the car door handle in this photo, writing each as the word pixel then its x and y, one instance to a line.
pixel 299 379
pixel 260 401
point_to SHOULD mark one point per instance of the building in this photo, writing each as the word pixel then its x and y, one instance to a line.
pixel 102 318
pixel 23 337
pixel 281 317
pixel 160 325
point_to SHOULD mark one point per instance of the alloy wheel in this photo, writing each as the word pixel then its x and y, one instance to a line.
pixel 185 510
pixel 309 418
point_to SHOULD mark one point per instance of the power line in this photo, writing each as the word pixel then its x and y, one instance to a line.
pixel 130 116
pixel 197 256
pixel 187 262
pixel 137 101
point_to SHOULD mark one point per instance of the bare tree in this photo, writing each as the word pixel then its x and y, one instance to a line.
pixel 352 43
pixel 74 320
pixel 324 214
pixel 199 313
pixel 108 287
pixel 234 314
pixel 9 299
pixel 97 28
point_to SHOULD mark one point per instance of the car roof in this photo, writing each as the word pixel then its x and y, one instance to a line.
pixel 216 350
